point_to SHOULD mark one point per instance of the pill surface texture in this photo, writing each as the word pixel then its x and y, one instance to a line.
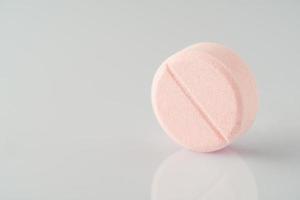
pixel 204 97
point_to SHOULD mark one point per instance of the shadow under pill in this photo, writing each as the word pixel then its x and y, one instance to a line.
pixel 187 175
pixel 280 149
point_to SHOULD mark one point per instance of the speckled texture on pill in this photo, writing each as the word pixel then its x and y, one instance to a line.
pixel 204 97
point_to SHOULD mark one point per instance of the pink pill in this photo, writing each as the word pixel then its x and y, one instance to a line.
pixel 204 97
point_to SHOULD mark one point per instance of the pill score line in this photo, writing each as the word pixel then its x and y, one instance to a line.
pixel 195 103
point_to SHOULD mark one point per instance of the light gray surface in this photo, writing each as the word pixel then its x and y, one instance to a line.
pixel 76 119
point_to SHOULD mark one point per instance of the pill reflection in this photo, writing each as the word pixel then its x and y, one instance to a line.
pixel 190 176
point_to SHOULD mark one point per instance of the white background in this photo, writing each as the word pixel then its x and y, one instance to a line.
pixel 75 115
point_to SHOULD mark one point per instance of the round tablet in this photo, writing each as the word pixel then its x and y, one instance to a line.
pixel 204 96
